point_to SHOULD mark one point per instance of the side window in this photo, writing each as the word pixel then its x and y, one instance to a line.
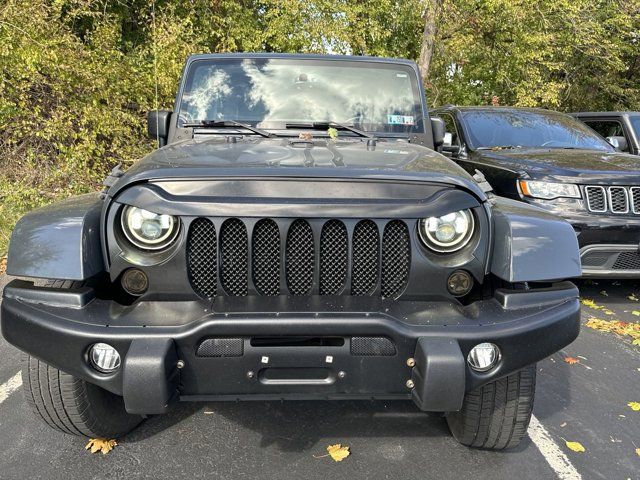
pixel 451 137
pixel 606 128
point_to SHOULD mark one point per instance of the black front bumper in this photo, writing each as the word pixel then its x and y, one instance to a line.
pixel 288 348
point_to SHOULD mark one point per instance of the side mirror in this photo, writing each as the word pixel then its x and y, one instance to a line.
pixel 158 125
pixel 437 127
pixel 619 143
pixel 452 149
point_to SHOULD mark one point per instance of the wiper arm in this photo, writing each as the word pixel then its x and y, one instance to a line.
pixel 229 124
pixel 326 125
pixel 500 147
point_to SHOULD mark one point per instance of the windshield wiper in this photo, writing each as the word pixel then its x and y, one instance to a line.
pixel 326 125
pixel 499 147
pixel 229 124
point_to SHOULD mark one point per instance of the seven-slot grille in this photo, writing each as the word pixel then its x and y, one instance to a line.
pixel 613 199
pixel 319 257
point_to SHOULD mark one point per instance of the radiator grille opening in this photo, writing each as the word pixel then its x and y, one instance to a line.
pixel 234 251
pixel 202 257
pixel 334 252
pixel 300 258
pixel 396 259
pixel 266 257
pixel 366 258
pixel 618 199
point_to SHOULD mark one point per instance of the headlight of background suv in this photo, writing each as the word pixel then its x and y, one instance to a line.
pixel 447 233
pixel 148 230
pixel 548 190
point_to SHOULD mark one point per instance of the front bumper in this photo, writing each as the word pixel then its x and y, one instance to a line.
pixel 289 348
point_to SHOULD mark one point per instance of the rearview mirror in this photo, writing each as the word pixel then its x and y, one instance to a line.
pixel 437 127
pixel 158 125
pixel 619 143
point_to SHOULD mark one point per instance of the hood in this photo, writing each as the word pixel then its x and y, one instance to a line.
pixel 585 165
pixel 216 156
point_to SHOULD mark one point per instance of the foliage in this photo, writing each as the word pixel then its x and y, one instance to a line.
pixel 79 75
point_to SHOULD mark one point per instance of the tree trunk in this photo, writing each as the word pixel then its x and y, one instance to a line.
pixel 428 37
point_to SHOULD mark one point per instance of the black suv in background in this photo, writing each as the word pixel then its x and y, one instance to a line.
pixel 554 161
pixel 621 129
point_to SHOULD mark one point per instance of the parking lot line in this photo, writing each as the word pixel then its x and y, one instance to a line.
pixel 552 453
pixel 10 386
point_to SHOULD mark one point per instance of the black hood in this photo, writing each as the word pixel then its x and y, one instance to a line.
pixel 580 165
pixel 215 156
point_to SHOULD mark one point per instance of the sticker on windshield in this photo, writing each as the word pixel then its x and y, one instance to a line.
pixel 400 119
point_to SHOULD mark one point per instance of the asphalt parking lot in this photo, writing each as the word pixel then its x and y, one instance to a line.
pixel 584 402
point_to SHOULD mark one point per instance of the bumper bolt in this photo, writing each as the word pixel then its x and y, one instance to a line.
pixel 341 374
pixel 180 364
pixel 409 384
pixel 411 362
pixel 250 374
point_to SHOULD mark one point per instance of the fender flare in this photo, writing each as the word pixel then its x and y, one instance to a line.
pixel 532 245
pixel 61 241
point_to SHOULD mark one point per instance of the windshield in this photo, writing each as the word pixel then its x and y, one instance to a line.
pixel 496 128
pixel 272 92
pixel 635 123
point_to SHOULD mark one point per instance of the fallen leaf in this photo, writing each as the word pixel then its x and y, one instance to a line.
pixel 636 341
pixel 638 451
pixel 632 297
pixel 333 133
pixel 604 293
pixel 575 446
pixel 636 313
pixel 305 136
pixel 571 360
pixel 621 328
pixel 635 406
pixel 338 452
pixel 100 445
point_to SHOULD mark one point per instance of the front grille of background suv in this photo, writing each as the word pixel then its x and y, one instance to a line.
pixel 298 257
pixel 613 199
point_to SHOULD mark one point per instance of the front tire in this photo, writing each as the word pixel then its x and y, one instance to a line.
pixel 496 416
pixel 74 406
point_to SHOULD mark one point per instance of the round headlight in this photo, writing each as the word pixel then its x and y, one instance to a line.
pixel 447 233
pixel 148 230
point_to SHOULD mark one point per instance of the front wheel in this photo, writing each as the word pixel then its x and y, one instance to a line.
pixel 496 416
pixel 73 406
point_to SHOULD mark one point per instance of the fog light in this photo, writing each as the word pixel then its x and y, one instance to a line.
pixel 459 283
pixel 134 281
pixel 104 358
pixel 483 357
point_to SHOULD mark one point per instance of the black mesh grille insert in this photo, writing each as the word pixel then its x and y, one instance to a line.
pixel 201 257
pixel 635 198
pixel 627 261
pixel 366 258
pixel 596 199
pixel 619 199
pixel 300 261
pixel 234 257
pixel 372 347
pixel 596 259
pixel 221 347
pixel 266 257
pixel 334 251
pixel 396 258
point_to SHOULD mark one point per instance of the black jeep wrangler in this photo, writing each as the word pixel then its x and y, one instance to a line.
pixel 296 237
